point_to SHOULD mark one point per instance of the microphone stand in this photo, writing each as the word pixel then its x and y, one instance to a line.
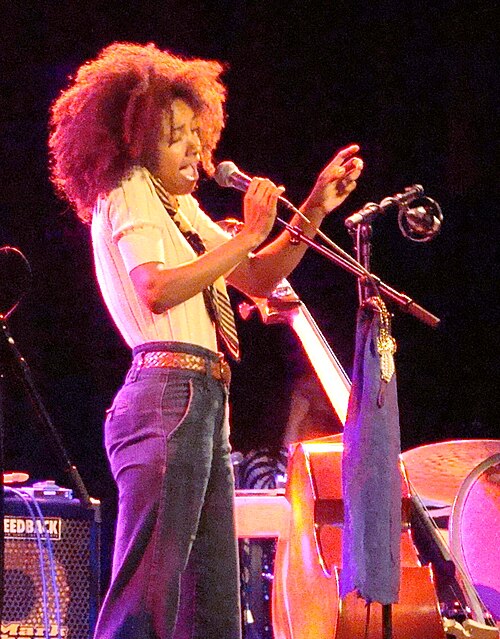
pixel 367 282
pixel 48 427
pixel 11 357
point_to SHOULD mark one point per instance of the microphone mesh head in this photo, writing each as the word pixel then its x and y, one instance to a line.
pixel 224 172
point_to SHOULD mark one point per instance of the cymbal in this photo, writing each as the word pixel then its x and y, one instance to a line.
pixel 436 471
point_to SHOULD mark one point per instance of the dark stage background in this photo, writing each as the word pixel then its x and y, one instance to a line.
pixel 414 83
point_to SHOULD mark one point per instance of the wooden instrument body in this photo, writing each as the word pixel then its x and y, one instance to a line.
pixel 306 602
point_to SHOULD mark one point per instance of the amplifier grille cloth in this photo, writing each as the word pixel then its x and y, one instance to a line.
pixel 23 601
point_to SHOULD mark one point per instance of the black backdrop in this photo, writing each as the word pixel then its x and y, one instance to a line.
pixel 413 83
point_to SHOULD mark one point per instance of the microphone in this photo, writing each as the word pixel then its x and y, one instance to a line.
pixel 421 219
pixel 227 174
pixel 421 223
pixel 372 210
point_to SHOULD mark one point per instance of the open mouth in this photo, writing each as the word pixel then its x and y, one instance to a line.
pixel 190 172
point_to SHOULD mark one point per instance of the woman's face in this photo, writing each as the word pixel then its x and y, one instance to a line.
pixel 179 149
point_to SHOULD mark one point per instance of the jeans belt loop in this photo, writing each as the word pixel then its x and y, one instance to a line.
pixel 138 364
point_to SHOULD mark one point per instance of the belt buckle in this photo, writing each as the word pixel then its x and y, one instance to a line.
pixel 224 369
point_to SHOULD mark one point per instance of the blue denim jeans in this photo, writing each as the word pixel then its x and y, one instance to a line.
pixel 167 439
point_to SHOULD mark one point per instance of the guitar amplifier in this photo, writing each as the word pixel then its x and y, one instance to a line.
pixel 74 532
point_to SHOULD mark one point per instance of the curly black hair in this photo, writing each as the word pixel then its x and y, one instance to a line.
pixel 109 119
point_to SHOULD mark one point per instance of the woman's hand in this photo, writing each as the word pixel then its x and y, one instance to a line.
pixel 335 182
pixel 260 208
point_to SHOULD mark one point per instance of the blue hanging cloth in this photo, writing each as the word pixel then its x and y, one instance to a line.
pixel 371 480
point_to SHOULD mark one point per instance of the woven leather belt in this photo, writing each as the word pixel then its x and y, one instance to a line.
pixel 165 359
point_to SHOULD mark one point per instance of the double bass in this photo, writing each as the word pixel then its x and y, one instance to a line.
pixel 306 603
pixel 305 600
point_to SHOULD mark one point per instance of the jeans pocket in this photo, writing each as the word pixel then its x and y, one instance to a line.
pixel 178 404
pixel 135 415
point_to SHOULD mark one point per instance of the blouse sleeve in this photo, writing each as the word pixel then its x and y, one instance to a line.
pixel 137 219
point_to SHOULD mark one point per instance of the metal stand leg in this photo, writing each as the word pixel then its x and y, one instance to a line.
pixel 387 621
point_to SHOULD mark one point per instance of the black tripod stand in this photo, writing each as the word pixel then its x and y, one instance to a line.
pixel 17 275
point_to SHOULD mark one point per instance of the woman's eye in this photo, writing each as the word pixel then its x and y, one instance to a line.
pixel 177 135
